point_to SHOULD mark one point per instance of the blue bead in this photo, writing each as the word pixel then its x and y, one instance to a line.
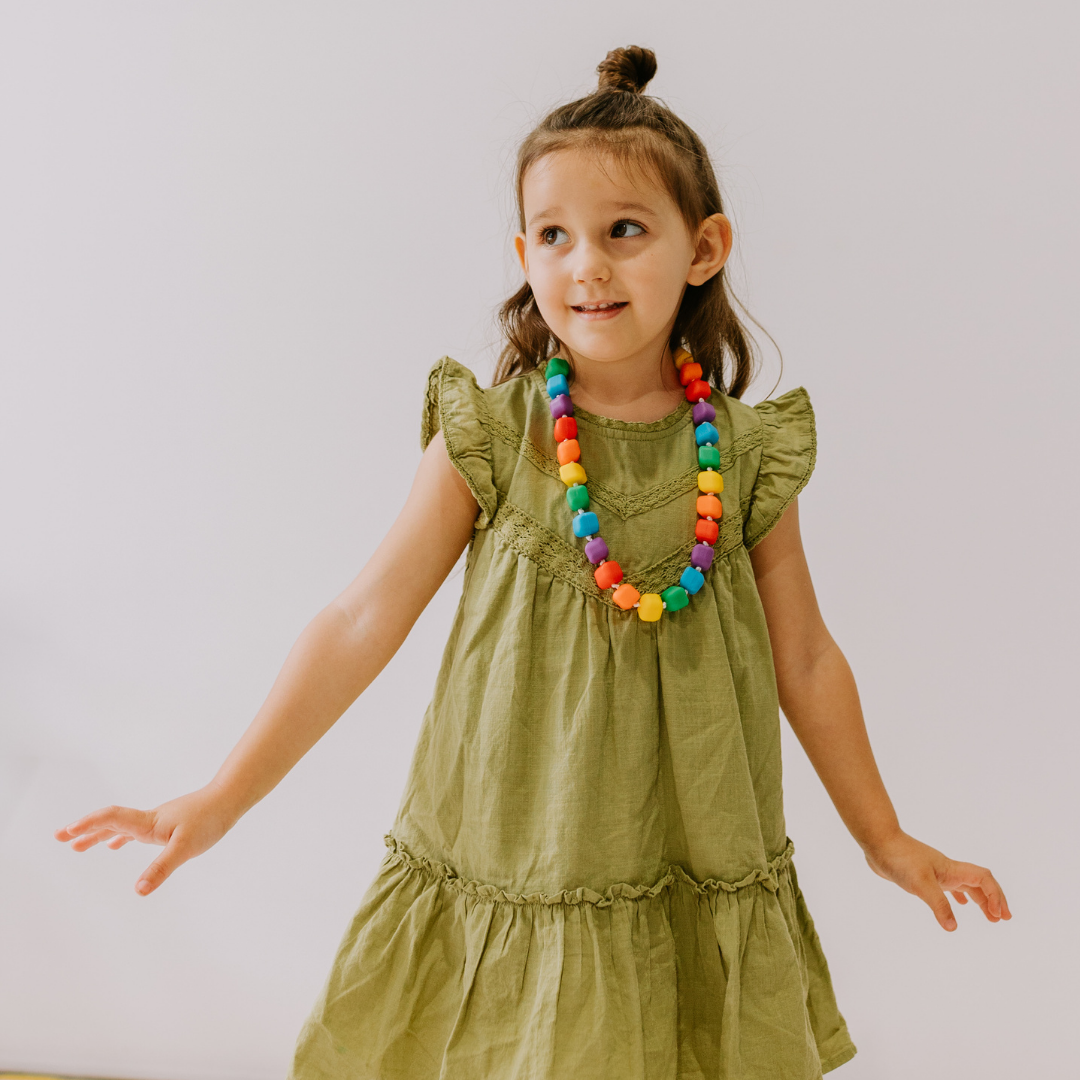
pixel 692 579
pixel 557 385
pixel 706 433
pixel 587 524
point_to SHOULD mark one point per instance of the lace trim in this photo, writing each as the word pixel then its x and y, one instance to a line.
pixel 620 504
pixel 769 878
pixel 564 560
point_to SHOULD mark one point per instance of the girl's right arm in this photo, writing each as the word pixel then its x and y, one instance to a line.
pixel 338 654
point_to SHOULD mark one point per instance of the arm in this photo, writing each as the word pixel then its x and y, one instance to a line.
pixel 336 657
pixel 820 701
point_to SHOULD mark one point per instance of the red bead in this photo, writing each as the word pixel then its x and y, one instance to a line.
pixel 608 574
pixel 697 390
pixel 707 531
pixel 709 506
pixel 565 428
pixel 689 372
pixel 568 451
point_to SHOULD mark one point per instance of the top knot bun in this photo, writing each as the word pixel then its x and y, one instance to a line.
pixel 628 69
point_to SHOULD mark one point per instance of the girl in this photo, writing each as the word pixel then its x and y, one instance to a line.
pixel 589 872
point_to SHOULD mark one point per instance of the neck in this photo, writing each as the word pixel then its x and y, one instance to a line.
pixel 642 387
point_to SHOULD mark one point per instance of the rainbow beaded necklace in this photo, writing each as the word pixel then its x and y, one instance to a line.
pixel 586 525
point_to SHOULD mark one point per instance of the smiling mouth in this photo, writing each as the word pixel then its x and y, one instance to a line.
pixel 605 310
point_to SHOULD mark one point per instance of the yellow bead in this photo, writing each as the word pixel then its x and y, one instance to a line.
pixel 710 482
pixel 572 473
pixel 682 357
pixel 650 607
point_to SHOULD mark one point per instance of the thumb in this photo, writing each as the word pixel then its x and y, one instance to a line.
pixel 930 893
pixel 172 856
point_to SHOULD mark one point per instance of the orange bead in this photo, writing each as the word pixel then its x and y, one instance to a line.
pixel 688 373
pixel 568 451
pixel 707 531
pixel 607 574
pixel 697 390
pixel 565 428
pixel 626 596
pixel 709 506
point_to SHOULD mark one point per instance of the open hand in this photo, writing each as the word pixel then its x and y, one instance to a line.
pixel 920 869
pixel 185 827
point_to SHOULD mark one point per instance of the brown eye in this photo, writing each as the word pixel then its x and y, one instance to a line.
pixel 622 229
pixel 551 236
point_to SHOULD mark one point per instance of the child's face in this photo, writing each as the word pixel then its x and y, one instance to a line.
pixel 596 234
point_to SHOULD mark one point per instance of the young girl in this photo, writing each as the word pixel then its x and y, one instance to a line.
pixel 589 874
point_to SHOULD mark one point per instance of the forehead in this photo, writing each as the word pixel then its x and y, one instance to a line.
pixel 576 180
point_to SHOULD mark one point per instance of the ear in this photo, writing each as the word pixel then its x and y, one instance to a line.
pixel 519 247
pixel 712 250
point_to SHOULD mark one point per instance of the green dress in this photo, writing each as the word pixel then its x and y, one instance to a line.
pixel 589 873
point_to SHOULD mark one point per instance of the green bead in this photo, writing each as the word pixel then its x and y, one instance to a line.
pixel 708 457
pixel 675 597
pixel 578 497
pixel 556 366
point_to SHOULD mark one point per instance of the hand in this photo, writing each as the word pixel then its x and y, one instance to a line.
pixel 926 872
pixel 185 827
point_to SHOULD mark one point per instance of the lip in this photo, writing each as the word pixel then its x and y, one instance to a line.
pixel 600 315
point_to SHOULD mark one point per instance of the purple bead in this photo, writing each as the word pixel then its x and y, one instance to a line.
pixel 704 413
pixel 561 406
pixel 701 557
pixel 596 550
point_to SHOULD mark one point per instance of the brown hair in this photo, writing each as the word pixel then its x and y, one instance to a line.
pixel 621 122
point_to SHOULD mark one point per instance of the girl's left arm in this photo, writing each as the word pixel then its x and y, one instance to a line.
pixel 820 700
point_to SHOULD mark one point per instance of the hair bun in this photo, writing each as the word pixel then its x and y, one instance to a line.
pixel 628 69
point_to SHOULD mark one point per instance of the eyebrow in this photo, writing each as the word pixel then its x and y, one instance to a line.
pixel 557 211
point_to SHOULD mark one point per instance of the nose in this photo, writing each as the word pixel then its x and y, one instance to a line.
pixel 590 264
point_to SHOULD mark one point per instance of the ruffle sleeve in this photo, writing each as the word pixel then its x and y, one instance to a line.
pixel 453 404
pixel 788 452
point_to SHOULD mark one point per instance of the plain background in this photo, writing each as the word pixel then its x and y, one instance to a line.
pixel 233 239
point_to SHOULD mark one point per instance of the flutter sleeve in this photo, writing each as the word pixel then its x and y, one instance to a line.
pixel 453 404
pixel 788 452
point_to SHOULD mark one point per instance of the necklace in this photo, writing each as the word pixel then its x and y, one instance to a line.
pixel 586 525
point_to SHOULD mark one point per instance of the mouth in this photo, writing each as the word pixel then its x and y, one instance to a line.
pixel 594 312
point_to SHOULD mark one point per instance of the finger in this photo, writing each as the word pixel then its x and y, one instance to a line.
pixel 958 896
pixel 930 893
pixel 173 856
pixel 119 841
pixel 120 818
pixel 978 877
pixel 84 843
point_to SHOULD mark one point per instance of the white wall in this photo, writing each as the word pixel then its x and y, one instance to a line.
pixel 233 237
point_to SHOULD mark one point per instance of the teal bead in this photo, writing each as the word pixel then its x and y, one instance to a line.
pixel 675 597
pixel 578 497
pixel 708 457
pixel 557 385
pixel 692 579
pixel 706 433
pixel 556 366
pixel 586 524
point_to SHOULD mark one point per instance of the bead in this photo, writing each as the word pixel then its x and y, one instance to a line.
pixel 650 607
pixel 626 596
pixel 578 497
pixel 701 556
pixel 682 357
pixel 708 457
pixel 705 434
pixel 710 482
pixel 703 412
pixel 608 574
pixel 556 366
pixel 596 550
pixel 568 451
pixel 707 531
pixel 557 385
pixel 565 428
pixel 688 373
pixel 709 506
pixel 675 597
pixel 561 406
pixel 572 474
pixel 698 389
pixel 587 524
pixel 692 579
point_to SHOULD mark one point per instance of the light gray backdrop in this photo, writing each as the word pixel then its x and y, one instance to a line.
pixel 234 237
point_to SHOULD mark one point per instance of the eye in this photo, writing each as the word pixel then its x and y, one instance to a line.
pixel 622 229
pixel 553 236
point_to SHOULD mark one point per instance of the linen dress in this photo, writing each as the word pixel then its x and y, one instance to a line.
pixel 589 873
